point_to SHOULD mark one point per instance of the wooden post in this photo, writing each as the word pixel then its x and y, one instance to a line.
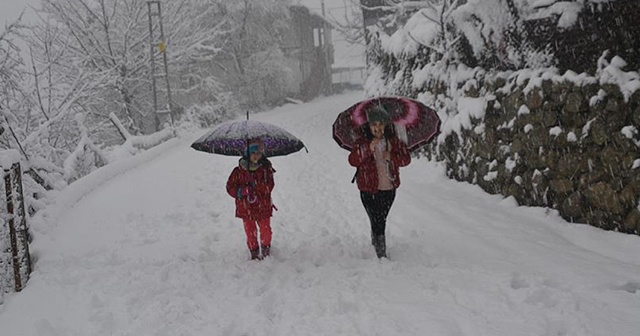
pixel 12 231
pixel 17 224
pixel 22 229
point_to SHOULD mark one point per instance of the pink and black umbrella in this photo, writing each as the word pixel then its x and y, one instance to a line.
pixel 415 123
pixel 230 138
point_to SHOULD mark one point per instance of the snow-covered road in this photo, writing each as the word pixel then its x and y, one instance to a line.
pixel 150 247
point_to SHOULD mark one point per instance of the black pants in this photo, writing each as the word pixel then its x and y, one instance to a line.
pixel 377 205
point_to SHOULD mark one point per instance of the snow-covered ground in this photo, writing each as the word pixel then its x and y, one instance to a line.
pixel 149 246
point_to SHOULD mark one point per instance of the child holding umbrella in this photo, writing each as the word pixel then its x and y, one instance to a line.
pixel 377 157
pixel 251 183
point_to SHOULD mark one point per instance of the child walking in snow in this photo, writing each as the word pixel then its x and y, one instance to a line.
pixel 377 157
pixel 251 183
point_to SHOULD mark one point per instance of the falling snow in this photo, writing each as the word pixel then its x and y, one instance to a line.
pixel 168 257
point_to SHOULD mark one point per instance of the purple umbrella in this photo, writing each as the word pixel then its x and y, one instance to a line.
pixel 230 138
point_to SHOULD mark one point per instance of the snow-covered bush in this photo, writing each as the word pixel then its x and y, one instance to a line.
pixel 511 121
pixel 209 114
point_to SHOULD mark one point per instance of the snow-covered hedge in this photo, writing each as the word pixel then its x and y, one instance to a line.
pixel 562 140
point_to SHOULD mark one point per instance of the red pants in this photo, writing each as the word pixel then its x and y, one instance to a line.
pixel 252 235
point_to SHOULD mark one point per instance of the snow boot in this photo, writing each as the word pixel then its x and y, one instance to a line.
pixel 266 251
pixel 380 245
pixel 255 254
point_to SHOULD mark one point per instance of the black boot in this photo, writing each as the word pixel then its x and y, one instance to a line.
pixel 266 251
pixel 255 254
pixel 379 243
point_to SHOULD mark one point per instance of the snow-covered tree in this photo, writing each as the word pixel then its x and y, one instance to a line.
pixel 18 113
pixel 14 100
pixel 487 33
pixel 107 42
pixel 85 60
pixel 252 59
pixel 349 25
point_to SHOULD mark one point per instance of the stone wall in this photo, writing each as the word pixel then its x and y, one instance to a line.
pixel 569 142
pixel 571 147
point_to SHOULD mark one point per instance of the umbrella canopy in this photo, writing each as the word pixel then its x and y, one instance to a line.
pixel 415 123
pixel 230 138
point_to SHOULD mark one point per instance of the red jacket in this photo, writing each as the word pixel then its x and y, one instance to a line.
pixel 257 205
pixel 361 157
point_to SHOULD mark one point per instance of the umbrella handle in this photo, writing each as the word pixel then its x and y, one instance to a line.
pixel 391 178
pixel 388 163
pixel 252 198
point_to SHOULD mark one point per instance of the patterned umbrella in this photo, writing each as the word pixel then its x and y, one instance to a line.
pixel 230 138
pixel 415 123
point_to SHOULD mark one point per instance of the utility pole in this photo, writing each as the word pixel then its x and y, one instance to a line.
pixel 159 67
